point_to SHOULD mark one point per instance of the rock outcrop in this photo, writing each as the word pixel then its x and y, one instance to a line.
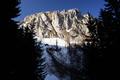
pixel 69 25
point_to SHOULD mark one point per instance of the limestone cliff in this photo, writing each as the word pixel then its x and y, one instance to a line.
pixel 68 25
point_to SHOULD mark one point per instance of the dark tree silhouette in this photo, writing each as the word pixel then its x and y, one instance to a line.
pixel 77 66
pixel 18 51
pixel 30 58
pixel 8 31
pixel 40 64
pixel 27 54
pixel 90 48
pixel 109 33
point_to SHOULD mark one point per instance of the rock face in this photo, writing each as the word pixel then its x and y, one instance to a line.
pixel 57 31
pixel 69 25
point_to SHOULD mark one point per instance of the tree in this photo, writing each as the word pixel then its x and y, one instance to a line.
pixel 18 48
pixel 8 31
pixel 109 30
pixel 27 54
pixel 40 64
pixel 31 65
pixel 90 48
pixel 110 18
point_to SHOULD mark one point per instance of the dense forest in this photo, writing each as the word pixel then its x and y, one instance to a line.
pixel 19 51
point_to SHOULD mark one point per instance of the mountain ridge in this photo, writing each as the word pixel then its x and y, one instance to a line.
pixel 69 25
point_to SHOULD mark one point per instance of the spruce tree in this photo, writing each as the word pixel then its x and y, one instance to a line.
pixel 8 31
pixel 18 49
pixel 90 48
pixel 40 64
pixel 27 55
pixel 32 64
pixel 109 33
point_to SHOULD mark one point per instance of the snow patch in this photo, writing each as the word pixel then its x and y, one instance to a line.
pixel 54 41
pixel 51 77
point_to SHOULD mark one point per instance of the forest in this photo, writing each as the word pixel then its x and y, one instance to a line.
pixel 19 51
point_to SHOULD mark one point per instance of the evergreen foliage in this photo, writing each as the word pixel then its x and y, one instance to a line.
pixel 18 47
pixel 8 32
pixel 90 48
pixel 109 33
pixel 40 63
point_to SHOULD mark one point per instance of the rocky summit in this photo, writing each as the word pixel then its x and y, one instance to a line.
pixel 68 25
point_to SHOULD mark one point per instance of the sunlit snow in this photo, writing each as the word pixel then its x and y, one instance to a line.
pixel 54 41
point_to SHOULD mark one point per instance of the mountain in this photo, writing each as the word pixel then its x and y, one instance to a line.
pixel 60 34
pixel 69 25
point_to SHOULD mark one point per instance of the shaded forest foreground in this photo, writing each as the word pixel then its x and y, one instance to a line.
pixel 18 53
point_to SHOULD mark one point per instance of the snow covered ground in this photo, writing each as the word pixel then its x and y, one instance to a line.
pixel 51 77
pixel 48 43
pixel 59 48
pixel 54 41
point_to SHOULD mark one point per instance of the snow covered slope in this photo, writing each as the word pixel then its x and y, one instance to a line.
pixel 59 32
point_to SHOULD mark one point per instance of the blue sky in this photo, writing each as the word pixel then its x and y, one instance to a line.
pixel 33 6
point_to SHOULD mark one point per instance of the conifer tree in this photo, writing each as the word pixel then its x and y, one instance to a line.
pixel 90 48
pixel 40 64
pixel 8 31
pixel 18 49
pixel 109 33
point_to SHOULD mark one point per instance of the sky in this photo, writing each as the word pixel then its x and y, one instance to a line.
pixel 29 7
